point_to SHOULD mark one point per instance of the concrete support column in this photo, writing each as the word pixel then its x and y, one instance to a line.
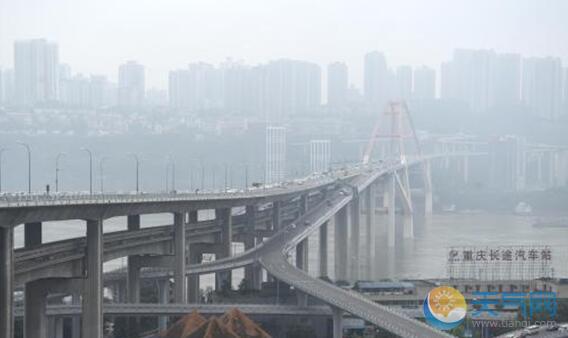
pixel 249 244
pixel 133 277
pixel 427 189
pixel 466 169
pixel 304 199
pixel 355 237
pixel 341 244
pixel 302 255
pixel 163 298
pixel 133 274
pixel 370 204
pixel 302 250
pixel 193 216
pixel 76 320
pixel 337 322
pixel 256 277
pixel 92 324
pixel 35 318
pixel 276 219
pixel 32 234
pixel 56 327
pixel 180 288
pixel 6 282
pixel 323 250
pixel 193 293
pixel 389 203
pixel 224 219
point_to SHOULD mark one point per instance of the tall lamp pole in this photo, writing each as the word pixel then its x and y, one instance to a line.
pixel 1 151
pixel 101 173
pixel 28 149
pixel 137 159
pixel 90 169
pixel 57 170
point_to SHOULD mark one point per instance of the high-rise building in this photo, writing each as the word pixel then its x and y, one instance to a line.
pixel 403 82
pixel 87 92
pixel 447 81
pixel 506 80
pixel 36 71
pixel 131 84
pixel 320 155
pixel 199 87
pixel 291 88
pixel 565 90
pixel 8 86
pixel 275 154
pixel 337 84
pixel 2 89
pixel 474 77
pixel 376 80
pixel 424 83
pixel 542 86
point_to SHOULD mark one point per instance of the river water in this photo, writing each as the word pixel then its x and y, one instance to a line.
pixel 424 256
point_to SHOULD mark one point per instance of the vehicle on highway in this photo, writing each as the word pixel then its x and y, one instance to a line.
pixel 532 330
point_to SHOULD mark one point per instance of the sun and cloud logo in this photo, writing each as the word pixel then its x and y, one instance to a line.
pixel 444 308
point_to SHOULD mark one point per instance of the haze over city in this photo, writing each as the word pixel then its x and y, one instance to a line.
pixel 283 169
pixel 95 37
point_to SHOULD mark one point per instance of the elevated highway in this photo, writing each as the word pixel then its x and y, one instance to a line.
pixel 337 195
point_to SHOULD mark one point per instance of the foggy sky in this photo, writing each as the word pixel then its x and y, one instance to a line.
pixel 96 36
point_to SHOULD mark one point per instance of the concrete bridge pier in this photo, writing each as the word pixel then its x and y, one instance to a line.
pixel 76 320
pixel 6 282
pixel 341 244
pixel 92 323
pixel 193 286
pixel 355 236
pixel 55 325
pixel 304 203
pixel 163 298
pixel 276 217
pixel 35 317
pixel 428 189
pixel 370 204
pixel 402 183
pixel 32 234
pixel 251 271
pixel 389 204
pixel 133 275
pixel 224 220
pixel 337 315
pixel 302 250
pixel 323 250
pixel 180 287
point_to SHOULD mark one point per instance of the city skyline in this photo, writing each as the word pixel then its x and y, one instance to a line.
pixel 92 46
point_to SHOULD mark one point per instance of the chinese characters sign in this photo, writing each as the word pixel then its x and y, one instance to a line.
pixel 500 263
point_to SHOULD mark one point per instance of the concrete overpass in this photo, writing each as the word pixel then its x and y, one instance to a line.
pixel 79 262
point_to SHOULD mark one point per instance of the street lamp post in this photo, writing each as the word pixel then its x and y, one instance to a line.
pixel 226 176
pixel 202 176
pixel 1 151
pixel 28 149
pixel 246 177
pixel 57 170
pixel 101 173
pixel 90 169
pixel 170 164
pixel 137 159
